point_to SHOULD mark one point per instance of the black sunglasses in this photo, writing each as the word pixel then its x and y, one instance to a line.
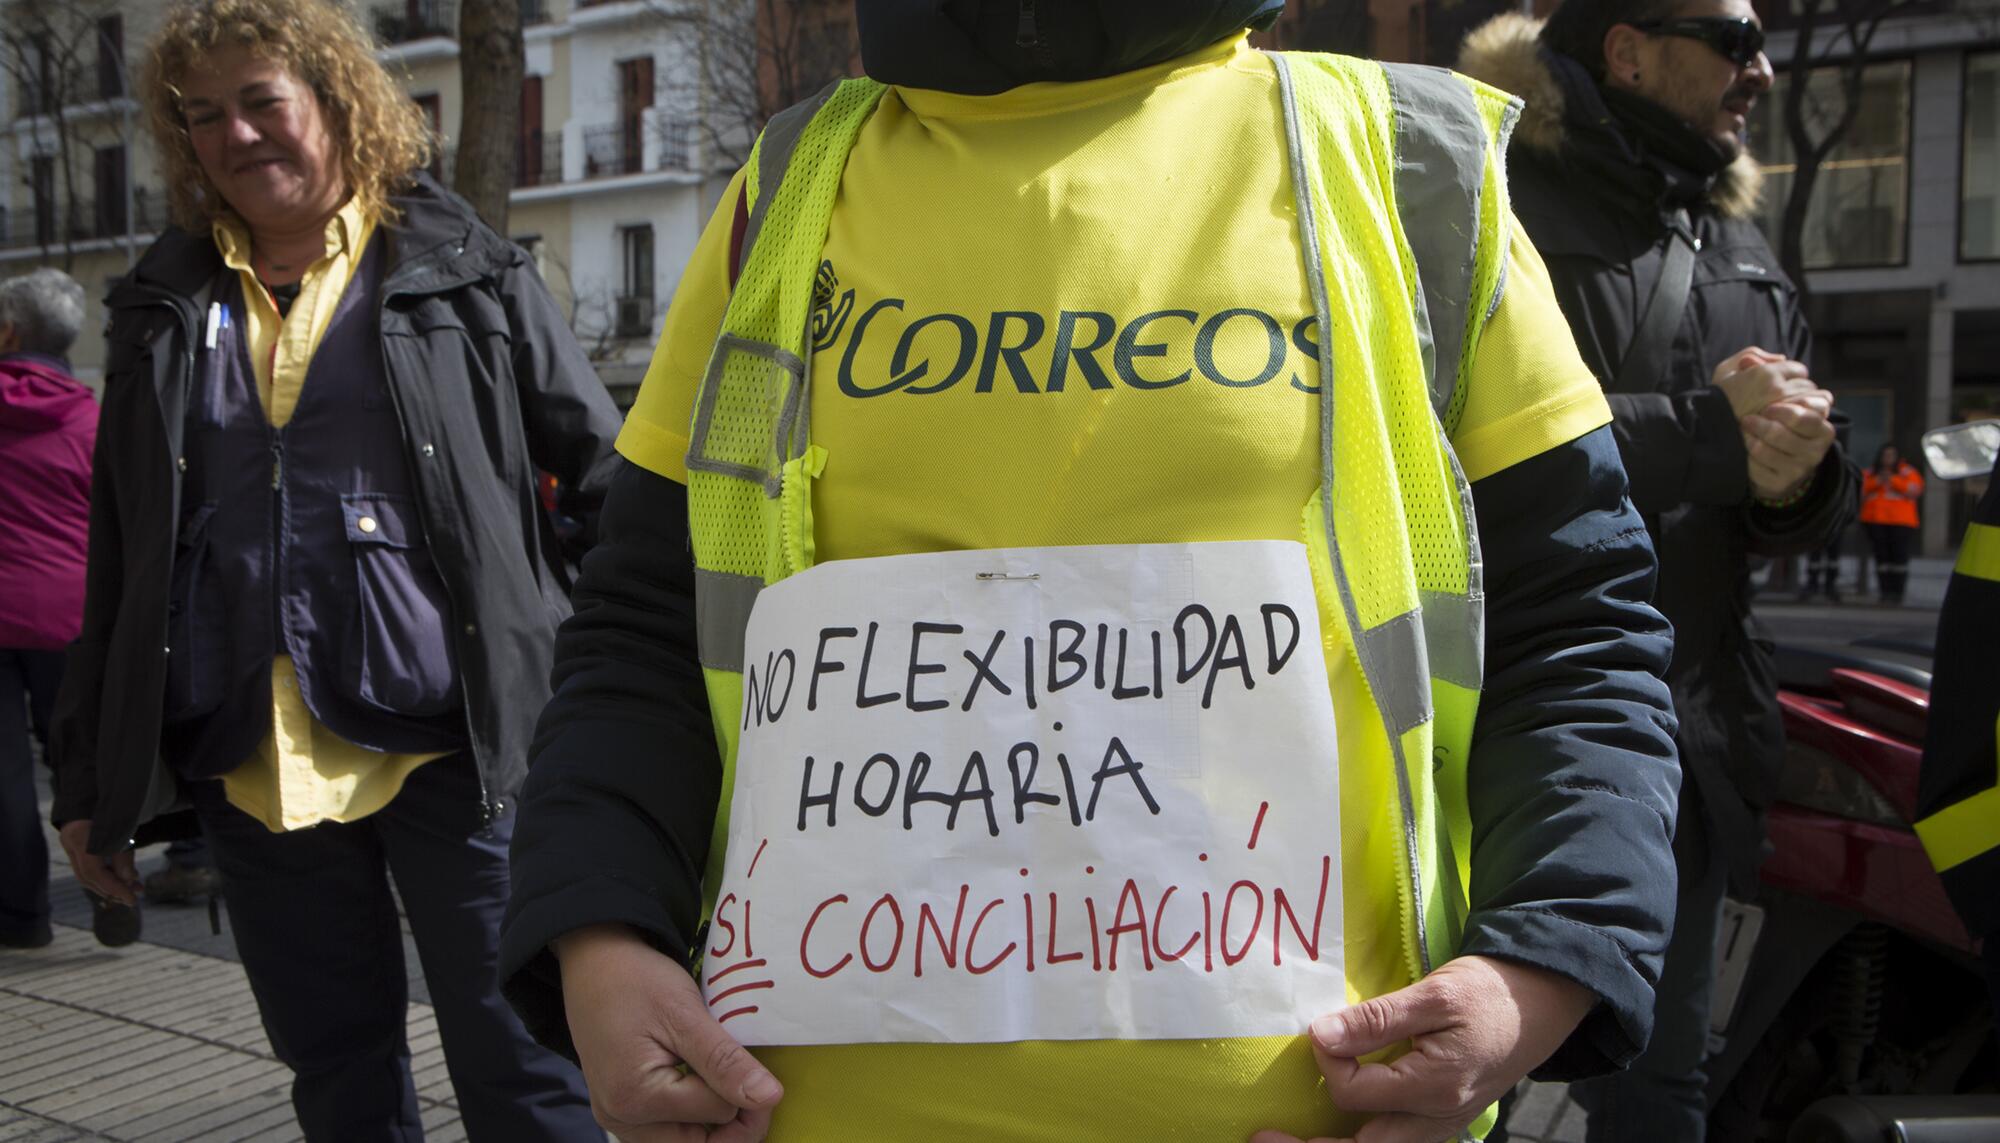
pixel 1739 41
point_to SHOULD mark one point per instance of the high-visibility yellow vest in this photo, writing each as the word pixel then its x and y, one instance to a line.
pixel 1965 833
pixel 1403 218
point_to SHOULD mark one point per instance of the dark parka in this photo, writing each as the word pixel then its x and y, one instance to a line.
pixel 489 386
pixel 1962 740
pixel 1599 210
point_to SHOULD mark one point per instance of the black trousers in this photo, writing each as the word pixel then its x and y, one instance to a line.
pixel 318 932
pixel 28 682
pixel 1823 566
pixel 1892 557
pixel 1662 1097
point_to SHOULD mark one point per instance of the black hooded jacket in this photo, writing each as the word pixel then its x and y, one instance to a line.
pixel 1572 775
pixel 1598 206
pixel 490 386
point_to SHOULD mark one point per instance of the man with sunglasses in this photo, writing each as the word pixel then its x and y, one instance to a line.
pixel 1630 173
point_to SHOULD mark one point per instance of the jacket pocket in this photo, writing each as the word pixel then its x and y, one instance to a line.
pixel 194 624
pixel 407 664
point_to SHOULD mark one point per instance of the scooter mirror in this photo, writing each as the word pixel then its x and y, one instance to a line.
pixel 1956 452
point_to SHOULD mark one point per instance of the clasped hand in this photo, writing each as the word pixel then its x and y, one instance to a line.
pixel 1784 418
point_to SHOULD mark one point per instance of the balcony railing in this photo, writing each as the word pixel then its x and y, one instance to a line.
pixel 534 12
pixel 620 148
pixel 612 150
pixel 675 138
pixel 56 87
pixel 80 84
pixel 635 315
pixel 416 20
pixel 538 161
pixel 79 220
pixel 534 166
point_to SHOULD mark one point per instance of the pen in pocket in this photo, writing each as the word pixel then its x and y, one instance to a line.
pixel 214 373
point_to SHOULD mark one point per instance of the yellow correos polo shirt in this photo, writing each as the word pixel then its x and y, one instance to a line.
pixel 302 773
pixel 1078 314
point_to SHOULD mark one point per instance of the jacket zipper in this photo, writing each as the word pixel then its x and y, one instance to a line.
pixel 1026 33
pixel 277 532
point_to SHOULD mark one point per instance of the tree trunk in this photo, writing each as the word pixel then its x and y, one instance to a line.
pixel 489 126
pixel 1792 230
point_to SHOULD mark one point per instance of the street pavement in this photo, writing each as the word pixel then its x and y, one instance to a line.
pixel 159 1040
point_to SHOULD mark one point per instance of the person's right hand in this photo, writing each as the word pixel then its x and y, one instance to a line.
pixel 659 1067
pixel 117 878
pixel 1754 379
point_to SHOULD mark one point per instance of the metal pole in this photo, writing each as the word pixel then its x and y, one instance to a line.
pixel 131 238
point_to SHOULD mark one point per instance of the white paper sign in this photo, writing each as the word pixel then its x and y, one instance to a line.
pixel 1051 793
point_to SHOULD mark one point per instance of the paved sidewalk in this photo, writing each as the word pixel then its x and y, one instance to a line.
pixel 159 1040
pixel 151 1043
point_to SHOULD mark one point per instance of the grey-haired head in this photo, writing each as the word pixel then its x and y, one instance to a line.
pixel 40 312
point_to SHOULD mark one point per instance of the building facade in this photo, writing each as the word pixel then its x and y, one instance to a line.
pixel 622 151
pixel 1901 240
pixel 79 188
pixel 634 112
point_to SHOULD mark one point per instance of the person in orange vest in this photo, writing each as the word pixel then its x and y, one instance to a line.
pixel 1889 492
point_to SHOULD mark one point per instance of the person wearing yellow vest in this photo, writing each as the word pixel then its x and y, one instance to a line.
pixel 1122 621
pixel 1958 789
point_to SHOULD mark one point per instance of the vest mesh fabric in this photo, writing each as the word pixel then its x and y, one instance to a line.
pixel 750 390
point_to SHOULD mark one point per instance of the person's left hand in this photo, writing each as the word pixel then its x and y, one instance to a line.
pixel 1475 1027
pixel 1786 442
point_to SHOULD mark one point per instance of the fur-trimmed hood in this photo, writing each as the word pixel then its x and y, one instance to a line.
pixel 1506 52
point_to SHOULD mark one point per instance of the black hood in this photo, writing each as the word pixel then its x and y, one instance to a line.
pixel 983 47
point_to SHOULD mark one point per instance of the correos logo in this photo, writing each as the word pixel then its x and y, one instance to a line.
pixel 1025 351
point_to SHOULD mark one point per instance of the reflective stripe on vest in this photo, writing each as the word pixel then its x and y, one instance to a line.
pixel 1969 827
pixel 1965 829
pixel 1980 557
pixel 1410 598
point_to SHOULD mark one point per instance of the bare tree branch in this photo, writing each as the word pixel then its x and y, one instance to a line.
pixel 759 57
pixel 1816 128
pixel 44 48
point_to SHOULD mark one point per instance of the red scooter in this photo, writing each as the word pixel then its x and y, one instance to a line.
pixel 1850 1003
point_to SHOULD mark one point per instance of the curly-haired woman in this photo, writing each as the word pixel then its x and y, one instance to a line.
pixel 322 595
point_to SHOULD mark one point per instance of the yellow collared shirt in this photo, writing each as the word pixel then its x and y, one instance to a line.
pixel 302 773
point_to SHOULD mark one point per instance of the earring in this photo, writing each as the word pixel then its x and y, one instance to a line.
pixel 1635 77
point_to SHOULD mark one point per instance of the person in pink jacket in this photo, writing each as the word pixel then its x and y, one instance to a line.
pixel 48 423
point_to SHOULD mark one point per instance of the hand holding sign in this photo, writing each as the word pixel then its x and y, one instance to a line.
pixel 659 1068
pixel 1475 1027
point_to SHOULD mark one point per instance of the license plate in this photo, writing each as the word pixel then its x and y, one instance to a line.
pixel 1735 942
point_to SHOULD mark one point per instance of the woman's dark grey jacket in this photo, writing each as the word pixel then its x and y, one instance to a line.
pixel 490 389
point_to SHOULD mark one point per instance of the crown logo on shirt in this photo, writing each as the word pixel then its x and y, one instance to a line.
pixel 828 319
